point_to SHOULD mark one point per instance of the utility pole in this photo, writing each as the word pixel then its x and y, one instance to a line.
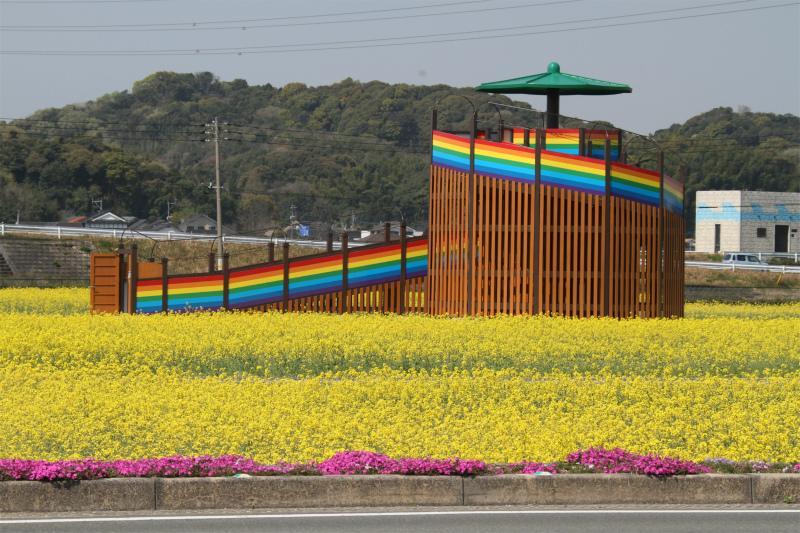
pixel 170 205
pixel 214 132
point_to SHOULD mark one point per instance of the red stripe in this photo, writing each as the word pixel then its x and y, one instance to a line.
pixel 505 146
pixel 573 158
pixel 450 136
pixel 317 261
pixel 388 249
pixel 259 270
pixel 196 279
pixel 149 282
pixel 635 170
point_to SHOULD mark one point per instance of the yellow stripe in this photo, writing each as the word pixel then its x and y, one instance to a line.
pixel 376 260
pixel 502 154
pixel 634 178
pixel 189 290
pixel 313 271
pixel 458 147
pixel 561 163
pixel 256 281
pixel 417 253
pixel 148 293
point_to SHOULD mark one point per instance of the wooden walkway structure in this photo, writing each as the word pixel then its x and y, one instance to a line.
pixel 515 228
pixel 538 221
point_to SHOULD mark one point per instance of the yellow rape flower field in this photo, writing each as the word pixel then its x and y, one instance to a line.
pixel 724 382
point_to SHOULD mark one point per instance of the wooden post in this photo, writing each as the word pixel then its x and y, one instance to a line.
pixel 123 275
pixel 537 228
pixel 285 276
pixel 133 277
pixel 270 252
pixel 343 307
pixel 387 231
pixel 329 242
pixel 589 148
pixel 526 138
pixel 606 231
pixel 582 141
pixel 660 256
pixel 226 274
pixel 403 246
pixel 470 255
pixel 212 262
pixel 164 285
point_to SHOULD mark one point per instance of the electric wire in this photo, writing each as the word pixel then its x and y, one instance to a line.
pixel 205 26
pixel 380 42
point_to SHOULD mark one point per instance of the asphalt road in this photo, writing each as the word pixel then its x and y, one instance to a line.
pixel 722 519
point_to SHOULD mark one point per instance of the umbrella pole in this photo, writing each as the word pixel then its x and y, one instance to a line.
pixel 552 109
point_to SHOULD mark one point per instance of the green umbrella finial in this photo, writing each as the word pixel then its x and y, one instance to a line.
pixel 553 67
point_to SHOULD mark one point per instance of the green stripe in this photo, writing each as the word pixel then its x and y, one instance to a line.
pixel 156 298
pixel 374 265
pixel 452 152
pixel 634 183
pixel 195 294
pixel 316 276
pixel 508 162
pixel 574 172
pixel 265 285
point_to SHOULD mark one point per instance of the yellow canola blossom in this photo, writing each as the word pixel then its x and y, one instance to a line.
pixel 490 415
pixel 292 345
pixel 724 382
pixel 46 301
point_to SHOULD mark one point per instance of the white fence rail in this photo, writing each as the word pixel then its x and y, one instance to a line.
pixel 733 267
pixel 64 231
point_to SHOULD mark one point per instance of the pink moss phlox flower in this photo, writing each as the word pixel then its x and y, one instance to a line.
pixel 358 462
pixel 618 461
pixel 535 468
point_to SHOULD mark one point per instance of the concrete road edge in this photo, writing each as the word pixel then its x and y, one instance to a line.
pixel 141 494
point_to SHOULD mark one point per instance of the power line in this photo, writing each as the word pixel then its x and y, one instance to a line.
pixel 246 24
pixel 231 21
pixel 380 42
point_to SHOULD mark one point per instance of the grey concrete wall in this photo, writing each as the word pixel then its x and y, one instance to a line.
pixel 705 220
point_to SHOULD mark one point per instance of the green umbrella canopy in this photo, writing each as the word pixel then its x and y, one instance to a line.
pixel 553 83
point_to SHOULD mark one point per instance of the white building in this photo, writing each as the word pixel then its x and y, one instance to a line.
pixel 747 221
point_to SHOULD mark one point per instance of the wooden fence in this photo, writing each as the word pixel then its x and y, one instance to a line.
pixel 382 277
pixel 523 230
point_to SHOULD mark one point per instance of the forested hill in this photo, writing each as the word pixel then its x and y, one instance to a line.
pixel 331 151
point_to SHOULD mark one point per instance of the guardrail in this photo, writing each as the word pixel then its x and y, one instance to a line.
pixel 734 267
pixel 65 231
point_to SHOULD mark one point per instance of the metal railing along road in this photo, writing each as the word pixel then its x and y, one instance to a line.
pixel 710 265
pixel 66 231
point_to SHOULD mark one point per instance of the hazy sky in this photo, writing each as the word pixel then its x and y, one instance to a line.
pixel 677 68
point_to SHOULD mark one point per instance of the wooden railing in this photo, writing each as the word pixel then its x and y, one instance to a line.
pixel 382 277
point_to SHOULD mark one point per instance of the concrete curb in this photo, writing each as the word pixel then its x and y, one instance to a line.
pixel 142 494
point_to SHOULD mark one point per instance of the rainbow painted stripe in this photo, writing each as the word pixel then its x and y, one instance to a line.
pixel 504 160
pixel 373 265
pixel 598 146
pixel 417 258
pixel 192 293
pixel 148 296
pixel 563 141
pixel 315 275
pixel 257 285
pixel 673 195
pixel 586 174
pixel 635 183
pixel 450 151
pixel 582 174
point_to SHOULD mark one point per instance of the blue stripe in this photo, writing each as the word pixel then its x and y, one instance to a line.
pixel 572 151
pixel 588 184
pixel 507 170
pixel 254 294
